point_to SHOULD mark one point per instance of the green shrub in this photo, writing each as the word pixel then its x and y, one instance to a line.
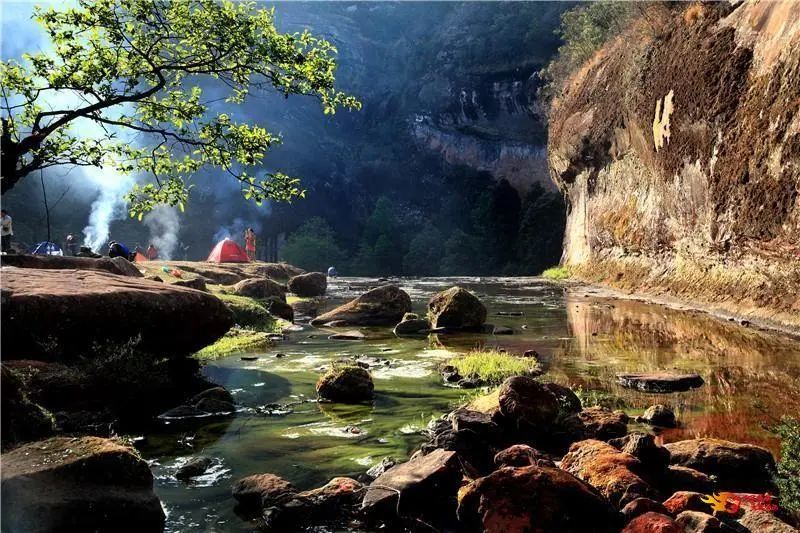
pixel 492 366
pixel 556 273
pixel 788 478
pixel 313 247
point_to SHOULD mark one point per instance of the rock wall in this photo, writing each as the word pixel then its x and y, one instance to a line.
pixel 677 147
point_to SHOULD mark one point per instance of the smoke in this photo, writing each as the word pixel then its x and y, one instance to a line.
pixel 164 224
pixel 107 207
pixel 235 230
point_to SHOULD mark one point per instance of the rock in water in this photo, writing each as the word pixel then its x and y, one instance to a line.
pixel 346 384
pixel 260 288
pixel 659 415
pixel 612 472
pixel 602 423
pixel 78 484
pixel 196 466
pixel 413 326
pixel 382 306
pixel 456 308
pixel 74 310
pixel 425 484
pixel 533 498
pixel 309 285
pixel 660 381
pixel 736 466
pixel 280 309
pixel 261 490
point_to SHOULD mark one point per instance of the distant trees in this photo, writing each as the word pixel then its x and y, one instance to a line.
pixel 313 247
pixel 134 66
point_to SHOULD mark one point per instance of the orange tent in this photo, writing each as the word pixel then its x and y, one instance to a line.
pixel 227 251
pixel 140 257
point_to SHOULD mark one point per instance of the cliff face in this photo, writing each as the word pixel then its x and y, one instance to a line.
pixel 678 150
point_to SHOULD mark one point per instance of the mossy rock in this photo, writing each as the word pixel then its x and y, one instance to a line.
pixel 346 384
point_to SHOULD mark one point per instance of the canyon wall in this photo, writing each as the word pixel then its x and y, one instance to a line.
pixel 677 147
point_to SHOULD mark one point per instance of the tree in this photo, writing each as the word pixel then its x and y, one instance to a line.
pixel 424 252
pixel 313 247
pixel 133 66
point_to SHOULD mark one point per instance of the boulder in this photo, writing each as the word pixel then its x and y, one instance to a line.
pixel 352 335
pixel 764 522
pixel 427 484
pixel 193 283
pixel 522 455
pixel 275 271
pixel 652 523
pixel 659 415
pixel 116 265
pixel 640 506
pixel 78 484
pixel 280 309
pixel 337 499
pixel 260 288
pixel 643 446
pixel 412 326
pixel 602 423
pixel 660 381
pixel 379 468
pixel 614 473
pixel 382 306
pixel 196 466
pixel 55 314
pixel 464 419
pixel 346 384
pixel 533 498
pixel 309 285
pixel 736 466
pixel 525 402
pixel 568 400
pixel 456 308
pixel 262 490
pixel 698 522
pixel 687 501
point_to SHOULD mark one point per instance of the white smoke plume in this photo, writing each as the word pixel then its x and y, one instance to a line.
pixel 235 230
pixel 164 224
pixel 108 206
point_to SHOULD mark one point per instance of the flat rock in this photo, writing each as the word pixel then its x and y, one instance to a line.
pixel 381 306
pixel 652 523
pixel 660 381
pixel 533 498
pixel 116 265
pixel 425 483
pixel 75 309
pixel 736 466
pixel 78 484
pixel 353 335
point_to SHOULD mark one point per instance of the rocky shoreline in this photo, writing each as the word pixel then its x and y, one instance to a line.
pixel 527 456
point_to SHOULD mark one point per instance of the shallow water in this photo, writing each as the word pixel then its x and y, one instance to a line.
pixel 751 380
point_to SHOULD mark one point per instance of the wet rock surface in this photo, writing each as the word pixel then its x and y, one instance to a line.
pixel 78 484
pixel 660 381
pixel 382 306
pixel 659 415
pixel 261 490
pixel 602 423
pixel 346 384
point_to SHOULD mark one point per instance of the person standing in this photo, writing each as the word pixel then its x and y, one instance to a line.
pixel 7 230
pixel 71 244
pixel 250 244
pixel 152 253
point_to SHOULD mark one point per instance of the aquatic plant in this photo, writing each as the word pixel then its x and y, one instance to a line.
pixel 788 478
pixel 493 366
pixel 235 341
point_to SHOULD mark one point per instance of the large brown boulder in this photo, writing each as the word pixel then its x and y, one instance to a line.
pixel 533 498
pixel 456 308
pixel 764 522
pixel 116 265
pixel 652 523
pixel 308 285
pixel 260 288
pixel 614 473
pixel 78 484
pixel 382 306
pixel 427 484
pixel 736 466
pixel 53 314
pixel 524 402
pixel 346 384
pixel 602 423
pixel 262 490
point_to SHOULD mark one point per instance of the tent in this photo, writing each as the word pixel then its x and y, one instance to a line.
pixel 227 251
pixel 140 257
pixel 47 248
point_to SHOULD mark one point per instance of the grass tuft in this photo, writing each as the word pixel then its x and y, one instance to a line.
pixel 556 273
pixel 492 366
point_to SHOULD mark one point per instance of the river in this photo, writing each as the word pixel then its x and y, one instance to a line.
pixel 584 340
